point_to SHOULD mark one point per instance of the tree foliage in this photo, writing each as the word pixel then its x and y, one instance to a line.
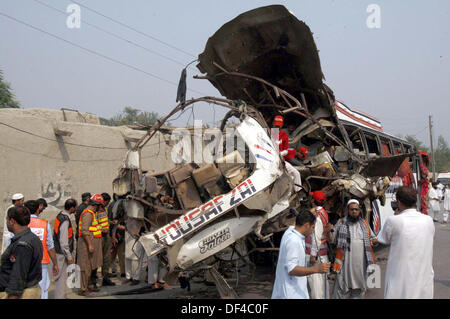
pixel 442 155
pixel 441 152
pixel 131 116
pixel 6 96
pixel 417 143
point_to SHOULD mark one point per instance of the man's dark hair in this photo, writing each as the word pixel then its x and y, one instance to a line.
pixel 304 217
pixel 85 196
pixel 106 197
pixel 32 205
pixel 42 201
pixel 70 203
pixel 407 196
pixel 434 184
pixel 21 214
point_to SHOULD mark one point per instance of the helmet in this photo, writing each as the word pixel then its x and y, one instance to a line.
pixel 319 196
pixel 278 121
pixel 96 199
pixel 304 151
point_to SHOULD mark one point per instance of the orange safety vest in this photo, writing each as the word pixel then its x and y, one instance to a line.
pixel 95 227
pixel 39 228
pixel 339 260
pixel 323 248
pixel 102 217
pixel 60 218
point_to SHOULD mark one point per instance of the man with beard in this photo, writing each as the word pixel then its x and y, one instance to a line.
pixel 354 240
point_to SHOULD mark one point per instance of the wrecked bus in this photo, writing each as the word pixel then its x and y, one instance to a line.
pixel 264 63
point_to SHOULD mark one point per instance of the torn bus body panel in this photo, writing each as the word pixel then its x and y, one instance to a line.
pixel 250 192
pixel 269 43
pixel 272 44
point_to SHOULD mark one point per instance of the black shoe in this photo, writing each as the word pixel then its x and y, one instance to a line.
pixel 94 289
pixel 134 282
pixel 107 282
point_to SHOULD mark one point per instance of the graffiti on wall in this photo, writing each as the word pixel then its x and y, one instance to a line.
pixel 54 194
pixel 56 189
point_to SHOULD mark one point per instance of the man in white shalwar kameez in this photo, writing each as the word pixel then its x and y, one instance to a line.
pixel 446 192
pixel 409 271
pixel 354 239
pixel 291 272
pixel 433 202
pixel 17 200
pixel 317 249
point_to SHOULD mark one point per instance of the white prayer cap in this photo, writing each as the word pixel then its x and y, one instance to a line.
pixel 17 196
pixel 352 201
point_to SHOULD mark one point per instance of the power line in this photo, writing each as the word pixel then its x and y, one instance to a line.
pixel 134 29
pixel 68 143
pixel 113 34
pixel 96 53
pixel 420 131
pixel 70 159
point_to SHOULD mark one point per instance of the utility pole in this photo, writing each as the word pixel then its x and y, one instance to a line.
pixel 432 149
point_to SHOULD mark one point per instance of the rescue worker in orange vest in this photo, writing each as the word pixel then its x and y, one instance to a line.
pixel 89 250
pixel 42 229
pixel 102 216
pixel 317 249
pixel 63 237
pixel 282 139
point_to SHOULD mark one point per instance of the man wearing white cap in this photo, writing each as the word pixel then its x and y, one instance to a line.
pixel 353 238
pixel 17 200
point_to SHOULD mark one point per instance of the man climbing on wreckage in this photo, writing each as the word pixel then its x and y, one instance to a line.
pixel 282 139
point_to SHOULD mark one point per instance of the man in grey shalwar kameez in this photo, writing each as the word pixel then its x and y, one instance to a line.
pixel 353 238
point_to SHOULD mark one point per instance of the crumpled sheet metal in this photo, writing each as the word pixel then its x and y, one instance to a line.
pixel 361 187
pixel 267 42
pixel 384 166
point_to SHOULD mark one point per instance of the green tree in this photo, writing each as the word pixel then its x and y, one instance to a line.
pixel 417 143
pixel 6 96
pixel 131 116
pixel 442 155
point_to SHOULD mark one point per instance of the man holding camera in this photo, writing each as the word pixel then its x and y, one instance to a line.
pixel 409 270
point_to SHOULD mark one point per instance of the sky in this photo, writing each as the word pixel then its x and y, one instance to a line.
pixel 399 72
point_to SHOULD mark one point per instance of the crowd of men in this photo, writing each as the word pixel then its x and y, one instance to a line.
pixel 303 258
pixel 99 237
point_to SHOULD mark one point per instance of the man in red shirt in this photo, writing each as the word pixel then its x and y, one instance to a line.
pixel 282 140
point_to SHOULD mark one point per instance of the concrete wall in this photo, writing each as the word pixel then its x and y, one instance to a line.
pixel 37 163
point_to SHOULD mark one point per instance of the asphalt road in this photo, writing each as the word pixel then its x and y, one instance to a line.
pixel 257 284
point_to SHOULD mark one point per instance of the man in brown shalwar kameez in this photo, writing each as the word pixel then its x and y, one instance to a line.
pixel 89 250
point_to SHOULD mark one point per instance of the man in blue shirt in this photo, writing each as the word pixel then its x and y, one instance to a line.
pixel 290 276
